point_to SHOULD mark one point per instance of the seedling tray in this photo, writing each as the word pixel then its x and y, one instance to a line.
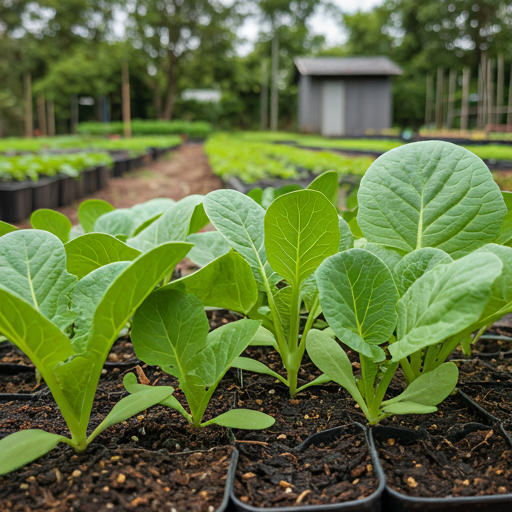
pixel 46 193
pixel 371 503
pixel 103 175
pixel 67 190
pixel 15 201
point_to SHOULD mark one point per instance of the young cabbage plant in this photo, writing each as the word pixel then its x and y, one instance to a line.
pixel 40 301
pixel 170 330
pixel 432 203
pixel 361 303
pixel 284 244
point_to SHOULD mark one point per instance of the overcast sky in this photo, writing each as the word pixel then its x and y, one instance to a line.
pixel 320 23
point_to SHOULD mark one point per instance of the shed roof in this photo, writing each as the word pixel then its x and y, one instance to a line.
pixel 346 66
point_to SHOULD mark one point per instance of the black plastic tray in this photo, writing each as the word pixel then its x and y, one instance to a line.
pixel 15 201
pixel 90 181
pixel 394 501
pixel 371 503
pixel 46 193
pixel 103 175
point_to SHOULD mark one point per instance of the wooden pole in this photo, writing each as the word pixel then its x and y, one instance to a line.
pixel 29 119
pixel 428 102
pixel 464 114
pixel 127 122
pixel 451 98
pixel 509 113
pixel 480 93
pixel 74 113
pixel 264 96
pixel 500 87
pixel 41 115
pixel 439 98
pixel 490 113
pixel 50 113
pixel 274 94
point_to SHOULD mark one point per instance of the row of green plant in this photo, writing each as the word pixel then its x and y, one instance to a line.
pixel 192 129
pixel 232 156
pixel 421 263
pixel 486 152
pixel 44 144
pixel 32 167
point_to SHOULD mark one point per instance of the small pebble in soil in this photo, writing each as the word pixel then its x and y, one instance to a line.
pixel 121 478
pixel 411 482
pixel 281 437
pixel 76 473
pixel 391 442
pixel 272 392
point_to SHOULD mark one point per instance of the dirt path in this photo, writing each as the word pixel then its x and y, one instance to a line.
pixel 179 174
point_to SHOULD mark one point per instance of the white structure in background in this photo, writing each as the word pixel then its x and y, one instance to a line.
pixel 202 95
pixel 345 96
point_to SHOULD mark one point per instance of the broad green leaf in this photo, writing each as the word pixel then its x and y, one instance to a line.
pixel 331 359
pixel 301 230
pixel 500 302
pixel 53 222
pixel 76 231
pixel 264 338
pixel 131 405
pixel 239 220
pixel 33 333
pixel 199 219
pixel 319 381
pixel 33 266
pixel 132 386
pixel 268 195
pixel 23 447
pixel 153 207
pixel 327 183
pixel 430 194
pixel 346 236
pixel 430 388
pixel 207 247
pixel 86 297
pixel 6 228
pixel 243 419
pixel 128 291
pixel 358 298
pixel 252 365
pixel 118 222
pixel 172 226
pixel 415 264
pixel 145 224
pixel 223 346
pixel 90 211
pixel 390 257
pixel 256 194
pixel 94 250
pixel 505 234
pixel 168 329
pixel 444 302
pixel 226 282
pixel 408 408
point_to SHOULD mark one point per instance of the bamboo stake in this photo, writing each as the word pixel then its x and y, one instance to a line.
pixel 439 98
pixel 480 93
pixel 41 115
pixel 428 102
pixel 264 96
pixel 29 119
pixel 451 98
pixel 50 113
pixel 127 123
pixel 499 94
pixel 466 77
pixel 490 113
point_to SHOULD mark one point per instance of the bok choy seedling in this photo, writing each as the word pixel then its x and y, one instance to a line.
pixel 170 330
pixel 429 205
pixel 284 244
pixel 361 303
pixel 40 302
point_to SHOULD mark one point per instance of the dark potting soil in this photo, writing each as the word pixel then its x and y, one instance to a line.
pixel 451 459
pixel 275 476
pixel 122 478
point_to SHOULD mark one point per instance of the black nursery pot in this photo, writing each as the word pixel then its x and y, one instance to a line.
pixel 394 501
pixel 15 201
pixel 90 181
pixel 46 193
pixel 67 190
pixel 102 175
pixel 371 503
pixel 119 167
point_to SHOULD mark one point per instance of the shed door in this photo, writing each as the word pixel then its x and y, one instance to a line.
pixel 333 108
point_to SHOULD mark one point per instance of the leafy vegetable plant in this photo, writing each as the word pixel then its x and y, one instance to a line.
pixel 284 244
pixel 40 302
pixel 362 305
pixel 170 330
pixel 424 208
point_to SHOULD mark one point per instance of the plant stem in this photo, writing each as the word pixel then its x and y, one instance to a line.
pixel 406 367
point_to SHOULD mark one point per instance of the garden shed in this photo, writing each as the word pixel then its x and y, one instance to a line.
pixel 345 96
